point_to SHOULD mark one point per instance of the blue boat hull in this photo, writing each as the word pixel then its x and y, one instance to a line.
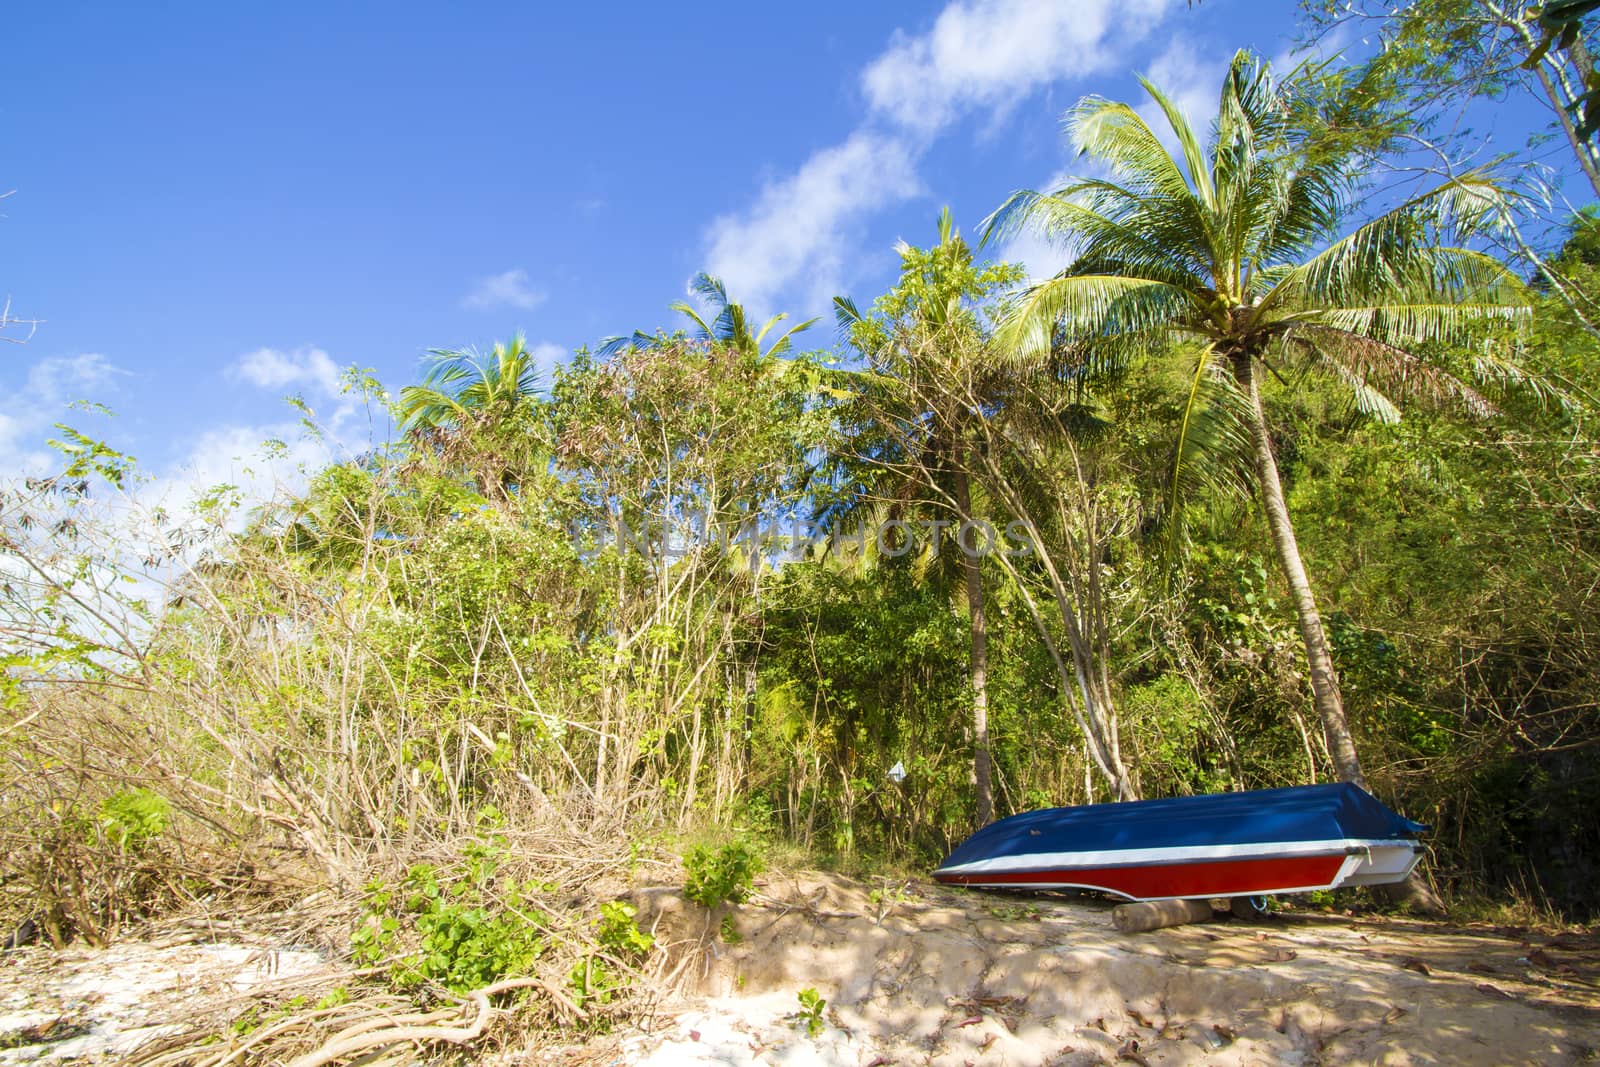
pixel 1218 845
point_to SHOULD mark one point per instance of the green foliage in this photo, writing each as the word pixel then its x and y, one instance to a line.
pixel 724 875
pixel 593 981
pixel 1013 912
pixel 1171 726
pixel 618 930
pixel 333 999
pixel 463 386
pixel 810 1014
pixel 436 632
pixel 461 932
pixel 133 817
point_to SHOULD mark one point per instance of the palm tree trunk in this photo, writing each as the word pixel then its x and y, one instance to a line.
pixel 1324 681
pixel 981 771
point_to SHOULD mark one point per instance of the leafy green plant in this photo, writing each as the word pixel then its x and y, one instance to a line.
pixel 466 945
pixel 134 817
pixel 726 875
pixel 592 982
pixel 810 1014
pixel 887 897
pixel 729 931
pixel 339 995
pixel 618 929
pixel 464 937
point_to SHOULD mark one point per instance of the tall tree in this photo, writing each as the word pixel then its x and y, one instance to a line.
pixel 928 327
pixel 1233 257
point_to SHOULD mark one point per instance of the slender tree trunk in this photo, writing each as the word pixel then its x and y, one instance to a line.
pixel 981 771
pixel 747 754
pixel 1579 149
pixel 1324 681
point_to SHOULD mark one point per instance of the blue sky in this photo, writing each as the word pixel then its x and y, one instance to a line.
pixel 218 205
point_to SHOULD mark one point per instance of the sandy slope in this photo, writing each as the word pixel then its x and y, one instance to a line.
pixel 985 978
pixel 92 1004
pixel 930 976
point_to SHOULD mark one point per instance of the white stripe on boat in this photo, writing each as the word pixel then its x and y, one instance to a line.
pixel 1150 857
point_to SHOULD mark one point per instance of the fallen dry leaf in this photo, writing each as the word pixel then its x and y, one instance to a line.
pixel 1494 991
pixel 1394 1014
pixel 1411 963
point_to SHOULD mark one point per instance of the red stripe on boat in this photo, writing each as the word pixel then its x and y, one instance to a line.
pixel 1217 878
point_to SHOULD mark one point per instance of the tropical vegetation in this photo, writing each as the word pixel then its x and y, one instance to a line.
pixel 1289 475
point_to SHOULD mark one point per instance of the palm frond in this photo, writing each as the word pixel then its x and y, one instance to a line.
pixel 464 382
pixel 1194 159
pixel 1504 375
pixel 786 341
pixel 610 346
pixel 704 332
pixel 1371 364
pixel 1213 448
pixel 1416 323
pixel 1138 244
pixel 711 289
pixel 1392 251
pixel 846 316
pixel 1090 305
pixel 422 406
pixel 1118 136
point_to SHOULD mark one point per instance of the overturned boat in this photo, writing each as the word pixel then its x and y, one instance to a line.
pixel 1267 841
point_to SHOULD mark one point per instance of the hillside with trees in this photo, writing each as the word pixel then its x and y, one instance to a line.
pixel 1290 476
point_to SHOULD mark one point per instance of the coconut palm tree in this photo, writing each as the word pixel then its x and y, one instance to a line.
pixel 475 406
pixel 463 385
pixel 728 324
pixel 1234 257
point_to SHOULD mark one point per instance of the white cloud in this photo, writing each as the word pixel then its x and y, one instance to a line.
pixel 51 380
pixel 264 460
pixel 28 413
pixel 546 354
pixel 260 461
pixel 509 289
pixel 272 368
pixel 795 229
pixel 991 53
pixel 1040 256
